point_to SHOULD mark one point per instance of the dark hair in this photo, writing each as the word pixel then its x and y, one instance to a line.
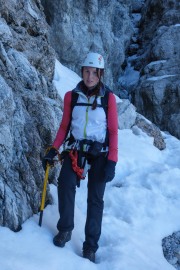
pixel 97 88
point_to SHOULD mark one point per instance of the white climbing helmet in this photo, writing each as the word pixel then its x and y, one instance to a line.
pixel 93 60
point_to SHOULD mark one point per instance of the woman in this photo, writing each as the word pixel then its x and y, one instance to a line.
pixel 93 137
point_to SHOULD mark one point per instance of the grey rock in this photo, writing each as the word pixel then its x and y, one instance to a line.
pixel 158 99
pixel 151 130
pixel 30 109
pixel 77 27
pixel 126 114
pixel 5 32
pixel 156 95
pixel 171 249
pixel 128 118
pixel 137 5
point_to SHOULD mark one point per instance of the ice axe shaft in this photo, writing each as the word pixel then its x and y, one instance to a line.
pixel 44 194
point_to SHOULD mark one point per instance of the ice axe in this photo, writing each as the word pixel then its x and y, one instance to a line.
pixel 44 194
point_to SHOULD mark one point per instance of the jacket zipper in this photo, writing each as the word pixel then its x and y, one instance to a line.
pixel 87 109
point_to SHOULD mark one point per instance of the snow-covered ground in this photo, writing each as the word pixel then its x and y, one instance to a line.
pixel 142 205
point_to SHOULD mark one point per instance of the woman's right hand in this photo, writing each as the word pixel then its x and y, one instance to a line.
pixel 49 157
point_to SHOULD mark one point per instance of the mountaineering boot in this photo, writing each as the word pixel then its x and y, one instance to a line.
pixel 89 254
pixel 61 238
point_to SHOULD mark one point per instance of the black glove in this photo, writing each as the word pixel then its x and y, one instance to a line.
pixel 48 158
pixel 109 171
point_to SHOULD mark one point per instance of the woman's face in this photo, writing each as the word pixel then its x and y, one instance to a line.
pixel 90 76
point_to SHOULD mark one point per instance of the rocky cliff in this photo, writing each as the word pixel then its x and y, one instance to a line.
pixel 157 94
pixel 139 40
pixel 76 27
pixel 27 108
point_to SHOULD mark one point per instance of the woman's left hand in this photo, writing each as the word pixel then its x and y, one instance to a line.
pixel 109 171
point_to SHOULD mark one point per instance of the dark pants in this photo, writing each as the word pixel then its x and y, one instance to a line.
pixel 95 204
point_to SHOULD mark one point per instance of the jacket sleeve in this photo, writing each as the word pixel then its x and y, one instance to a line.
pixel 66 118
pixel 112 125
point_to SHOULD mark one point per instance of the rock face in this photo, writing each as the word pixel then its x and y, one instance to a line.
pixel 157 94
pixel 27 104
pixel 171 249
pixel 138 40
pixel 128 118
pixel 76 27
pixel 126 114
